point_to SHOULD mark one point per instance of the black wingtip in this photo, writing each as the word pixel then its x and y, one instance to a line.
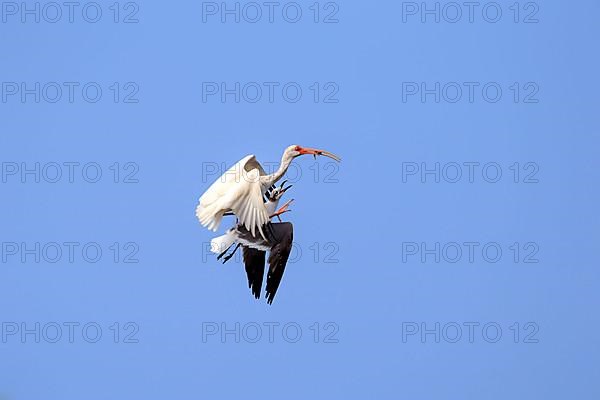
pixel 270 297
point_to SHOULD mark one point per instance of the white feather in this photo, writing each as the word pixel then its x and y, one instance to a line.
pixel 223 242
pixel 238 190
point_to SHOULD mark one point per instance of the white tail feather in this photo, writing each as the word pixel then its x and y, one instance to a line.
pixel 222 243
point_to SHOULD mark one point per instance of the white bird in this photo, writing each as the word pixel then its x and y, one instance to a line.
pixel 240 190
pixel 279 245
pixel 240 235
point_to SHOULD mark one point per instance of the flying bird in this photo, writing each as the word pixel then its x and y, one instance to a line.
pixel 240 235
pixel 240 191
pixel 278 243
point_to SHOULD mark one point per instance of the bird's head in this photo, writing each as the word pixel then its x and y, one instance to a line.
pixel 294 151
pixel 276 193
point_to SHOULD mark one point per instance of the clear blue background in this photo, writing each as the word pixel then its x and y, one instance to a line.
pixel 170 133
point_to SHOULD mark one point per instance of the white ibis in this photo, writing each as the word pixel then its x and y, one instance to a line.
pixel 279 244
pixel 240 190
pixel 238 234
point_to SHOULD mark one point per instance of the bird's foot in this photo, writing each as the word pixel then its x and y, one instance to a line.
pixel 283 209
pixel 228 256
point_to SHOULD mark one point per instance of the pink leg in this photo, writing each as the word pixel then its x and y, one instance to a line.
pixel 283 209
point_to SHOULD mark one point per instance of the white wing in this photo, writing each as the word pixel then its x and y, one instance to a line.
pixel 237 190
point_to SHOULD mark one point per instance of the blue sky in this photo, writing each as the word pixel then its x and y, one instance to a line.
pixel 465 201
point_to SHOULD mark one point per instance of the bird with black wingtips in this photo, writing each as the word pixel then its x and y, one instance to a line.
pixel 278 257
pixel 278 243
pixel 238 234
pixel 240 191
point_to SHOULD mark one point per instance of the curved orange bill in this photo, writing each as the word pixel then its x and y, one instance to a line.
pixel 317 152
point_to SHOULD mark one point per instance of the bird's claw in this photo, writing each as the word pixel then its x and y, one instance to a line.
pixel 283 209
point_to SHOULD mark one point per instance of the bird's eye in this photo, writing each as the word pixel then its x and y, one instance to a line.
pixel 297 148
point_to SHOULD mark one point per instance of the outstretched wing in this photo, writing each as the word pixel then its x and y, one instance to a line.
pixel 254 261
pixel 237 190
pixel 283 234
